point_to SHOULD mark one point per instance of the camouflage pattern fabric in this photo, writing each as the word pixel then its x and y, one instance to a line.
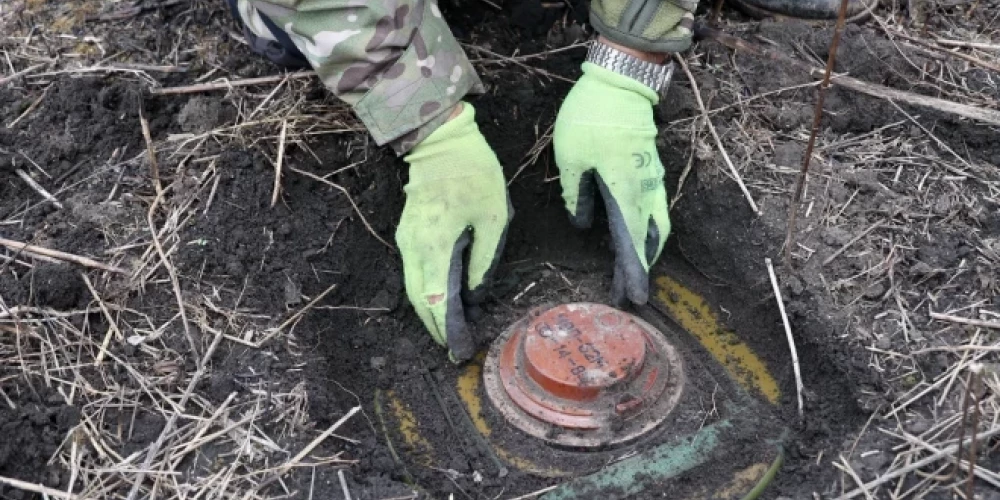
pixel 650 25
pixel 397 63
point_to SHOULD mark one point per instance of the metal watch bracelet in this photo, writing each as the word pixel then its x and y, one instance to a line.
pixel 654 76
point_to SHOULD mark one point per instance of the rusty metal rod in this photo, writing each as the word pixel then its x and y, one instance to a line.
pixel 793 209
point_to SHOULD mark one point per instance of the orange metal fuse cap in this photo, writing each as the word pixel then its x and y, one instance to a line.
pixel 573 353
pixel 580 374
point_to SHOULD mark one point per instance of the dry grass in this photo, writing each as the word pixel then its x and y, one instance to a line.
pixel 226 449
pixel 126 363
pixel 239 447
pixel 907 189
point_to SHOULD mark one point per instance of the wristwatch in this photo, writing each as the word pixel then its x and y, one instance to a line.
pixel 654 76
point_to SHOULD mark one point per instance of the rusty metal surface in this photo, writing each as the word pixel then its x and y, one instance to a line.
pixel 583 375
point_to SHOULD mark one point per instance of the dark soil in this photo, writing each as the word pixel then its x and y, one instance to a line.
pixel 366 337
pixel 78 125
pixel 31 435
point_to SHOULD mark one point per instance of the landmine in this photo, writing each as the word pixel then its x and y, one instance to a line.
pixel 583 375
pixel 604 403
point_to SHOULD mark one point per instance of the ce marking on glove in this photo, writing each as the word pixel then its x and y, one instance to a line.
pixel 642 160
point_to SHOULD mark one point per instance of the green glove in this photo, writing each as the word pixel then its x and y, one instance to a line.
pixel 605 136
pixel 456 197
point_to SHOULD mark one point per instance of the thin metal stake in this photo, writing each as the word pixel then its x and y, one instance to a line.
pixel 831 60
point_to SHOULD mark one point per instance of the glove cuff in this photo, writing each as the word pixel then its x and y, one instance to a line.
pixel 607 77
pixel 456 149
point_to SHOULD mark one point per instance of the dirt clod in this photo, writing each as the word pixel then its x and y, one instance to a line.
pixel 32 432
pixel 58 286
pixel 200 114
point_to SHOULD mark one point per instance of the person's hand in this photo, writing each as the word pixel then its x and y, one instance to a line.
pixel 605 138
pixel 456 197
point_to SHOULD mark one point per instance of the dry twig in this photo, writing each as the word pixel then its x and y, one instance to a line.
pixel 966 321
pixel 982 114
pixel 30 108
pixel 972 391
pixel 154 449
pixel 294 461
pixel 61 256
pixel 340 188
pixel 154 166
pixel 36 488
pixel 343 484
pixel 974 60
pixel 38 188
pixel 174 281
pixel 845 466
pixel 715 135
pixel 788 335
pixel 228 84
pixel 852 241
pixel 917 465
pixel 112 325
pixel 276 192
pixel 538 493
pixel 968 44
pixel 298 314
pixel 21 73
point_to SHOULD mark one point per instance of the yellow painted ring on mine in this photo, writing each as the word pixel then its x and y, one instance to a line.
pixel 468 385
pixel 696 317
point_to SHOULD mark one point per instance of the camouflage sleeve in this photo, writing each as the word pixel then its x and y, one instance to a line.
pixel 395 61
pixel 650 25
